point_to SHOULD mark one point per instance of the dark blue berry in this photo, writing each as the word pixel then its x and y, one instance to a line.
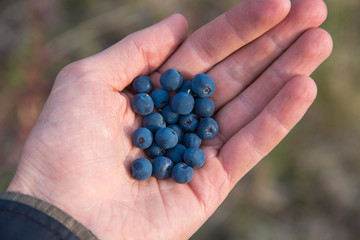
pixel 207 128
pixel 194 157
pixel 189 123
pixel 142 104
pixel 160 97
pixel 155 151
pixel 203 85
pixel 204 107
pixel 166 138
pixel 178 131
pixel 153 122
pixel 191 140
pixel 184 114
pixel 141 169
pixel 171 80
pixel 182 173
pixel 169 115
pixel 186 87
pixel 162 167
pixel 182 103
pixel 176 154
pixel 142 84
pixel 142 138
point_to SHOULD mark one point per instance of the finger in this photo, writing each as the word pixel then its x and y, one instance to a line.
pixel 237 71
pixel 302 58
pixel 137 54
pixel 249 145
pixel 225 34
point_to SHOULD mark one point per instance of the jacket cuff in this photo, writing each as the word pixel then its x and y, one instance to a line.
pixel 79 230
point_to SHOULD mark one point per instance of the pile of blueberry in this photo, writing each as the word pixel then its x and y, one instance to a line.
pixel 173 135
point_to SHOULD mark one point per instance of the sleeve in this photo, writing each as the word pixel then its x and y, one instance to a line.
pixel 26 217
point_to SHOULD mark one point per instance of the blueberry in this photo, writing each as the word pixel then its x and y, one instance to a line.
pixel 141 169
pixel 162 167
pixel 191 140
pixel 142 138
pixel 171 80
pixel 183 103
pixel 207 128
pixel 188 123
pixel 166 138
pixel 154 151
pixel 186 87
pixel 203 85
pixel 176 154
pixel 153 122
pixel 194 157
pixel 182 173
pixel 142 84
pixel 169 115
pixel 142 104
pixel 160 97
pixel 178 131
pixel 204 107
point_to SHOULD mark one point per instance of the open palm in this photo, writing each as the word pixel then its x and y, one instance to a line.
pixel 260 54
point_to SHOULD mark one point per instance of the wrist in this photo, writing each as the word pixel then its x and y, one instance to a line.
pixel 58 193
pixel 57 220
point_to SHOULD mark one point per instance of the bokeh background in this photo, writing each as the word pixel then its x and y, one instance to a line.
pixel 307 188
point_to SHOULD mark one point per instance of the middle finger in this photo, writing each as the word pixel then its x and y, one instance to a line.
pixel 239 70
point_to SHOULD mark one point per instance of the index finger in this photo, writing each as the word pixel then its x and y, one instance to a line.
pixel 225 34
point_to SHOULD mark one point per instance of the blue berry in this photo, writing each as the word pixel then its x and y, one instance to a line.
pixel 189 123
pixel 169 115
pixel 183 103
pixel 142 104
pixel 204 107
pixel 178 131
pixel 142 138
pixel 190 112
pixel 141 169
pixel 207 128
pixel 182 173
pixel 203 85
pixel 153 122
pixel 194 157
pixel 155 151
pixel 191 140
pixel 162 167
pixel 166 138
pixel 176 154
pixel 142 84
pixel 186 87
pixel 160 97
pixel 171 80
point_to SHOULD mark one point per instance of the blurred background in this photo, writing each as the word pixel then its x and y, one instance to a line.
pixel 307 188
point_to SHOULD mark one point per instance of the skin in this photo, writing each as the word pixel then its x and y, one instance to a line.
pixel 77 157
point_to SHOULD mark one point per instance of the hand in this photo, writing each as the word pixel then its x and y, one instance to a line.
pixel 260 54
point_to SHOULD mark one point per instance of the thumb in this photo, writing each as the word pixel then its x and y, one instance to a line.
pixel 139 53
